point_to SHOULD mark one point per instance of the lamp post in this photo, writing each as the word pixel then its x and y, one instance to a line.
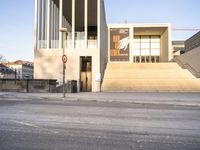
pixel 64 59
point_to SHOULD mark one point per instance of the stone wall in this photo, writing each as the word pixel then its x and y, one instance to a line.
pixel 28 85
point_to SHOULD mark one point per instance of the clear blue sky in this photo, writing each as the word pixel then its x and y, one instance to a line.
pixel 17 20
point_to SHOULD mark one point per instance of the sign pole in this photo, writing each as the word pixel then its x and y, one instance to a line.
pixel 64 58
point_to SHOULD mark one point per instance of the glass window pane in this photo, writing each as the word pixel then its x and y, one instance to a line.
pixel 145 52
pixel 155 45
pixel 136 45
pixel 145 45
pixel 145 38
pixel 155 52
pixel 136 52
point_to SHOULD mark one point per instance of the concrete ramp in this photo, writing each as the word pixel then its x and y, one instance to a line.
pixel 148 77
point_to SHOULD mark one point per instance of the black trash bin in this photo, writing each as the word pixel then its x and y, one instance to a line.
pixel 72 86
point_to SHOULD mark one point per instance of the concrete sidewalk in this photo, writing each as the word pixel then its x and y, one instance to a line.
pixel 184 99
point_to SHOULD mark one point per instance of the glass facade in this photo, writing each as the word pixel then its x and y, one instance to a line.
pixel 47 27
pixel 78 16
pixel 146 48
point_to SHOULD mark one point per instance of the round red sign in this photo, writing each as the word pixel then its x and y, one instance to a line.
pixel 64 58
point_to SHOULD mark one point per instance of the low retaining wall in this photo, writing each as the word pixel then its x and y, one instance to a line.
pixel 190 61
pixel 28 85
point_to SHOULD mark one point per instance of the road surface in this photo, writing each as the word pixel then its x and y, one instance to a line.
pixel 42 124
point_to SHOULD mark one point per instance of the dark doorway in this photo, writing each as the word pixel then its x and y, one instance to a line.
pixel 86 73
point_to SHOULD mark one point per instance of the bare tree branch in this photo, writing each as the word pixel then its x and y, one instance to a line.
pixel 2 59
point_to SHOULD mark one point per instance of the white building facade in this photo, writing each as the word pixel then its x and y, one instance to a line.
pixel 85 43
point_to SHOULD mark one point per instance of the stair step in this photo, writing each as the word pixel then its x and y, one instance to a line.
pixel 148 77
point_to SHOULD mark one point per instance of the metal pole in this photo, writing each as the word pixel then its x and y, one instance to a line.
pixel 63 68
pixel 63 41
pixel 64 32
pixel 64 80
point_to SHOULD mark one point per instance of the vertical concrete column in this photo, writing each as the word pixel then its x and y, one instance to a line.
pixel 55 25
pixel 42 24
pixel 131 43
pixel 73 23
pixel 60 21
pixel 86 23
pixel 51 25
pixel 169 43
pixel 108 45
pixel 45 23
pixel 48 22
pixel 36 25
pixel 98 23
pixel 97 83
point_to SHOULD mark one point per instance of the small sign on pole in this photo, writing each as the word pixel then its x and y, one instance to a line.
pixel 64 59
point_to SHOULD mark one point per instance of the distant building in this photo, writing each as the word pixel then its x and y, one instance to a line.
pixel 192 42
pixel 178 48
pixel 6 73
pixel 24 69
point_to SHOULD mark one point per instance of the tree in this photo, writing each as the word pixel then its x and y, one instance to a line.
pixel 2 59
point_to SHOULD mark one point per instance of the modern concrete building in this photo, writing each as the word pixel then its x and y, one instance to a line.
pixel 85 43
pixel 117 57
pixel 139 43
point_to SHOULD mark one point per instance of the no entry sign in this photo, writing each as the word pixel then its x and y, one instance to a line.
pixel 64 58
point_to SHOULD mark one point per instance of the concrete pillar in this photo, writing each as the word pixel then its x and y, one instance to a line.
pixel 73 23
pixel 170 57
pixel 36 25
pixel 86 23
pixel 42 24
pixel 98 23
pixel 131 43
pixel 48 23
pixel 60 21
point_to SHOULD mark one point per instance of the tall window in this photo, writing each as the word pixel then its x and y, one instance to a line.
pixel 41 23
pixel 92 23
pixel 43 10
pixel 79 24
pixel 146 48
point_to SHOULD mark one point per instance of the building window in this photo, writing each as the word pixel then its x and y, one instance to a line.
pixel 146 48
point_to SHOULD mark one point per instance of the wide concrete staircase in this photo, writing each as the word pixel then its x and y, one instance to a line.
pixel 148 77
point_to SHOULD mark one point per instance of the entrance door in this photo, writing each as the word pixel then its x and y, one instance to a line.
pixel 86 73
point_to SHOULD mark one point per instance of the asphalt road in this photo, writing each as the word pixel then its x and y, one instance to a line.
pixel 92 125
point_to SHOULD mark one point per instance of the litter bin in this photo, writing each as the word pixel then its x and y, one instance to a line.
pixel 71 86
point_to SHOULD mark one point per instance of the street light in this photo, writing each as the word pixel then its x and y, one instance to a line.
pixel 64 33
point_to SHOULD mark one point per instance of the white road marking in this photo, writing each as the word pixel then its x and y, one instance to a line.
pixel 34 126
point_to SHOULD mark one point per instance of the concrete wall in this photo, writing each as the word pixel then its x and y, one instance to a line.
pixel 48 64
pixel 164 53
pixel 27 85
pixel 190 60
pixel 103 41
pixel 192 42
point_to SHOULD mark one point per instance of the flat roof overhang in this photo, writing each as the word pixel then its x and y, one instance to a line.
pixel 149 30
